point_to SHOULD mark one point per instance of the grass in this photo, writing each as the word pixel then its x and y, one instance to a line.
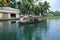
pixel 50 17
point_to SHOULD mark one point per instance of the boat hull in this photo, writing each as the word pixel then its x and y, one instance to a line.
pixel 34 22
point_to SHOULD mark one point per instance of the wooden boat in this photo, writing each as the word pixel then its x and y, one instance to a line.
pixel 34 22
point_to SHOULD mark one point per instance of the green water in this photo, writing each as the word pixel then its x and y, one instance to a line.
pixel 47 30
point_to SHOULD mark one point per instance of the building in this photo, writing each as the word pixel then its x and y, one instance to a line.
pixel 8 13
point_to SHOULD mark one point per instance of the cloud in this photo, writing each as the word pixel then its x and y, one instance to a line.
pixel 50 1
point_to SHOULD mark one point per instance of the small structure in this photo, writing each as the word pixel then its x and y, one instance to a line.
pixel 8 13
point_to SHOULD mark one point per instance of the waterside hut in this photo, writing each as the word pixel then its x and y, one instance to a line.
pixel 8 13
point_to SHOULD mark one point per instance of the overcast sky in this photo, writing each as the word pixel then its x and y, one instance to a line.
pixel 55 4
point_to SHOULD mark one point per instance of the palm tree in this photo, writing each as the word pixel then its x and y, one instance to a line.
pixel 46 6
pixel 41 8
pixel 12 3
pixel 26 6
pixel 37 10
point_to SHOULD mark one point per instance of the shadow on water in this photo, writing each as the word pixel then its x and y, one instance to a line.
pixel 32 31
pixel 13 22
pixel 8 31
pixel 46 30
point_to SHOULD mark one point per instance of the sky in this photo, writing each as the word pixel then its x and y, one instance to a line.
pixel 55 4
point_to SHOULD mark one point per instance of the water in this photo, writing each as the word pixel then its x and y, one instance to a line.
pixel 47 30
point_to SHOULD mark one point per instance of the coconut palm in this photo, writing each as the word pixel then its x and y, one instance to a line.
pixel 46 6
pixel 12 3
pixel 26 6
pixel 41 8
pixel 37 10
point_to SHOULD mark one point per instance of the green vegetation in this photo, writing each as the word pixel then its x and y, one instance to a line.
pixel 56 13
pixel 29 7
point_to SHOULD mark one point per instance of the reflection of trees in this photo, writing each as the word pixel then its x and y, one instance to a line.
pixel 8 31
pixel 40 31
pixel 34 31
pixel 28 31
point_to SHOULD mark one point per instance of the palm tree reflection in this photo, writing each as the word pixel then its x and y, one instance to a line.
pixel 33 31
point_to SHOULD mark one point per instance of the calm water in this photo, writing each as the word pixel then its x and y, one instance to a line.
pixel 47 30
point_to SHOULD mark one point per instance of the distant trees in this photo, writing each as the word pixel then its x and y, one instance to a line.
pixel 55 13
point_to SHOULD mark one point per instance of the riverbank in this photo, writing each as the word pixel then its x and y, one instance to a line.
pixel 51 17
pixel 9 19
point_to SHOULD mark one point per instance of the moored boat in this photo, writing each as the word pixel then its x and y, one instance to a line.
pixel 33 22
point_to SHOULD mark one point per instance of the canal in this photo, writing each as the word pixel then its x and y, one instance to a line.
pixel 47 30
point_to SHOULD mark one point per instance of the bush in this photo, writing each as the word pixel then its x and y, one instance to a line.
pixel 49 15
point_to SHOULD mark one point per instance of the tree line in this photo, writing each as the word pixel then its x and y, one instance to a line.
pixel 55 13
pixel 29 7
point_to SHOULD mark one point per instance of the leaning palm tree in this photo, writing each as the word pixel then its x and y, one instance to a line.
pixel 41 8
pixel 46 6
pixel 26 6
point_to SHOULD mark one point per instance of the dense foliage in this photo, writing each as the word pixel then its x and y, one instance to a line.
pixel 55 13
pixel 29 7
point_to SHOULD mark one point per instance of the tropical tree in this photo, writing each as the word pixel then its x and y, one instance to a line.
pixel 46 6
pixel 41 8
pixel 36 10
pixel 30 6
pixel 26 6
pixel 12 4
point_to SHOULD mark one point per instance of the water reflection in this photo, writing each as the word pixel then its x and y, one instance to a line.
pixel 47 30
pixel 32 31
pixel 8 31
pixel 13 22
pixel 54 29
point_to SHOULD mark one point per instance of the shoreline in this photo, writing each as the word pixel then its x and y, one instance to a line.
pixel 52 17
pixel 9 19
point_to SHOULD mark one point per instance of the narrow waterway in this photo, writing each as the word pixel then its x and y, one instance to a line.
pixel 47 30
